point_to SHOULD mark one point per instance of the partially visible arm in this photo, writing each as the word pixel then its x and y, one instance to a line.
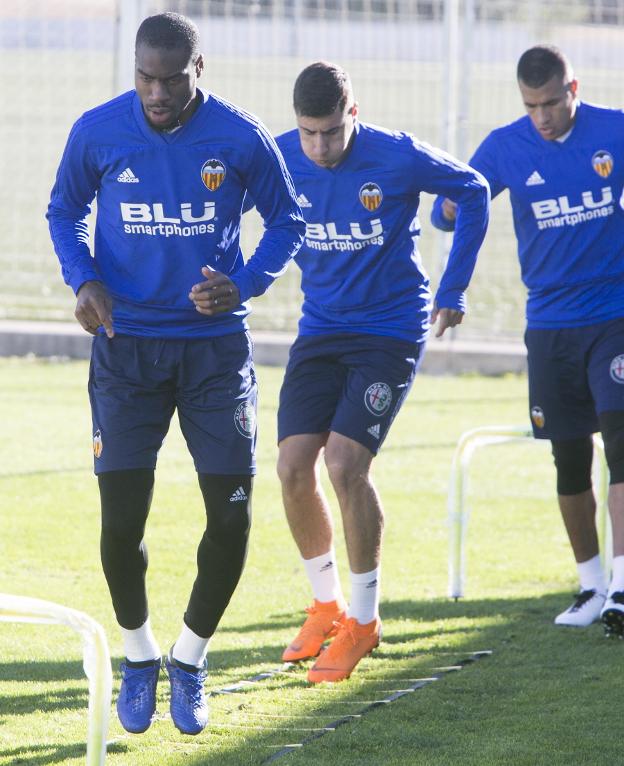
pixel 444 211
pixel 446 176
pixel 70 203
pixel 272 191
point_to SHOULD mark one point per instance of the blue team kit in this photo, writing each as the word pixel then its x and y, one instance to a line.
pixel 361 270
pixel 353 385
pixel 567 205
pixel 367 300
pixel 169 204
pixel 575 373
pixel 567 200
pixel 135 384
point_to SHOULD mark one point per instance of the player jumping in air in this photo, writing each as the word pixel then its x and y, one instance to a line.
pixel 165 297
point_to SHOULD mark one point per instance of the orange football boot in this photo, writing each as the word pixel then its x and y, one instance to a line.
pixel 320 624
pixel 353 641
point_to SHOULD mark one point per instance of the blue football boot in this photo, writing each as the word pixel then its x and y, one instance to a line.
pixel 136 703
pixel 188 706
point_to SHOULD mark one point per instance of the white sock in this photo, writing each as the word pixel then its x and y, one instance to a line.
pixel 140 644
pixel 190 648
pixel 617 575
pixel 364 604
pixel 322 572
pixel 591 575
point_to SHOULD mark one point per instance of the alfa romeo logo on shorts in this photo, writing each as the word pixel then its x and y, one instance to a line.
pixel 245 419
pixel 537 416
pixel 616 369
pixel 378 398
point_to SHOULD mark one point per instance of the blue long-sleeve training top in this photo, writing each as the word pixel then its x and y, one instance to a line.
pixel 168 204
pixel 361 269
pixel 568 211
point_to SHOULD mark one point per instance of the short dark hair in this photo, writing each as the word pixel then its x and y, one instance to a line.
pixel 320 88
pixel 169 30
pixel 541 63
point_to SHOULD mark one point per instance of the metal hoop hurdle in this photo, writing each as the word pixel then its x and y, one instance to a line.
pixel 96 659
pixel 458 513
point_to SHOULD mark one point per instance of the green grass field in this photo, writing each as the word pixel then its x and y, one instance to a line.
pixel 545 696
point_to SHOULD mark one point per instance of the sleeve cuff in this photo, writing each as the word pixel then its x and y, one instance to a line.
pixel 451 299
pixel 78 278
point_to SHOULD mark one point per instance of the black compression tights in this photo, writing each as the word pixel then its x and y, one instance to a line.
pixel 126 498
pixel 222 551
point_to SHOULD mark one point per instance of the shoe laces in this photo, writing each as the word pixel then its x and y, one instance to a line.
pixel 138 684
pixel 345 635
pixel 191 685
pixel 581 599
pixel 617 597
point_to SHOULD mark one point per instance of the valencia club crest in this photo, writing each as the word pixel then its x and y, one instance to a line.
pixel 602 162
pixel 371 196
pixel 213 174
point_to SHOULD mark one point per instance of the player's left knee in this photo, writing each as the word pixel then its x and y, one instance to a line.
pixel 345 474
pixel 347 461
pixel 228 506
pixel 612 429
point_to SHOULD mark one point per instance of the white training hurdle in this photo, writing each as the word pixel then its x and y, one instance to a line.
pixel 96 659
pixel 458 513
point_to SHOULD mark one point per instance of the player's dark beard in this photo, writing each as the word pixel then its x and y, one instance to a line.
pixel 177 123
pixel 168 128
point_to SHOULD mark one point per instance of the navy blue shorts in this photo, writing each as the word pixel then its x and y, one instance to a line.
pixel 136 384
pixel 575 373
pixel 353 385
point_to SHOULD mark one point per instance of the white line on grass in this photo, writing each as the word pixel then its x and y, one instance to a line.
pixel 377 703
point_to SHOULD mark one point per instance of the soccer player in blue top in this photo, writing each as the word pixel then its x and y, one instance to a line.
pixel 563 164
pixel 165 296
pixel 366 315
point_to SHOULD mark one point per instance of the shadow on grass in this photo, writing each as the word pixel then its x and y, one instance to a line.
pixel 419 613
pixel 525 644
pixel 41 670
pixel 531 660
pixel 73 698
pixel 40 755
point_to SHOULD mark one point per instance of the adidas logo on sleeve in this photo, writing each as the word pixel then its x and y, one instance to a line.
pixel 127 177
pixel 303 201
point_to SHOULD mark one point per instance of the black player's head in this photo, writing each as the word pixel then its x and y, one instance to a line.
pixel 169 31
pixel 326 112
pixel 168 63
pixel 548 89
